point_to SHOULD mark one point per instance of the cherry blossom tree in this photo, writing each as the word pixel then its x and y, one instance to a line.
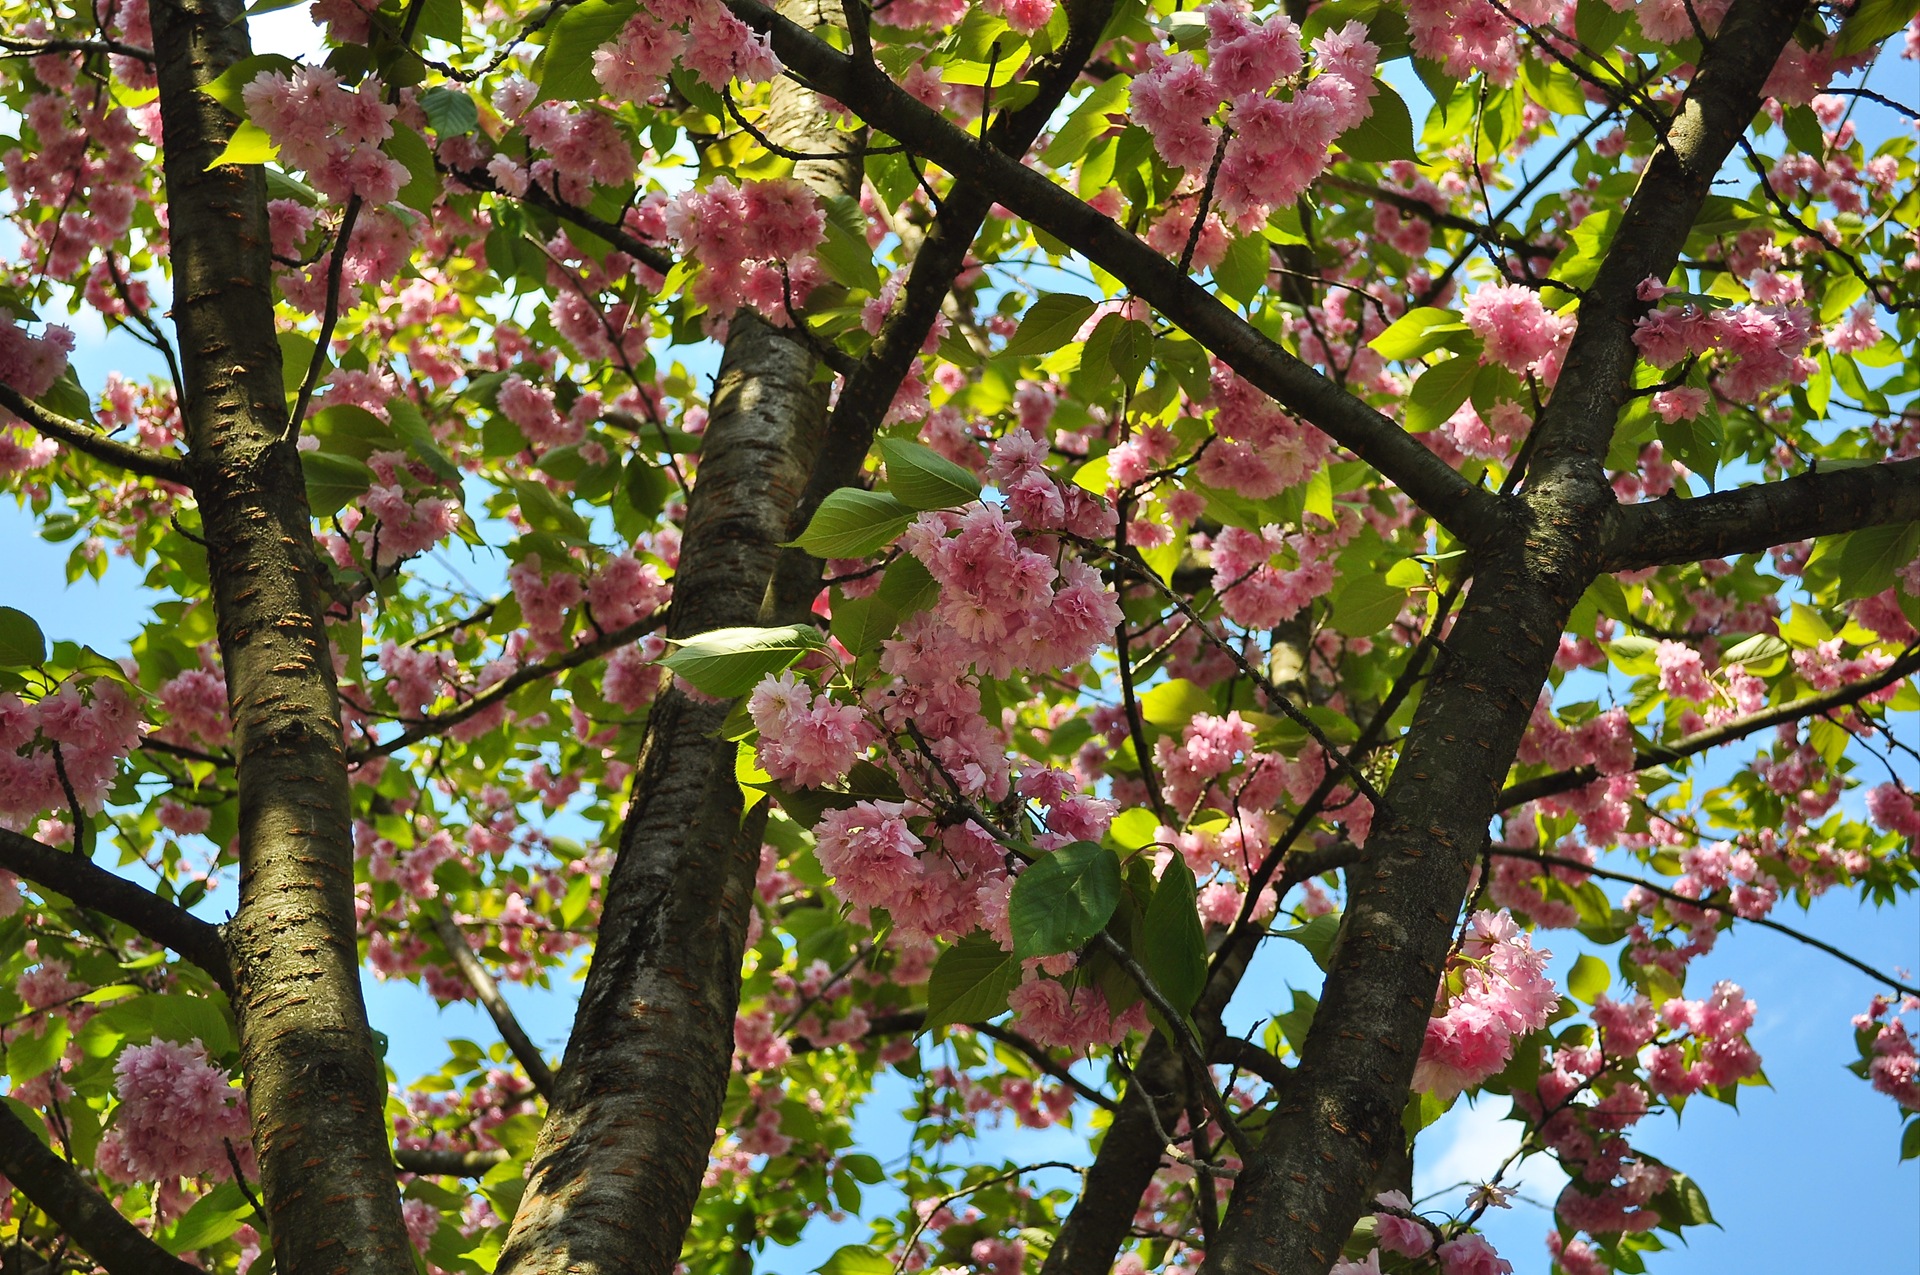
pixel 911 541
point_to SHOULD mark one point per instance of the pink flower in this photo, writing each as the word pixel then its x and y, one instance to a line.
pixel 805 741
pixel 1399 1235
pixel 177 1114
pixel 1518 330
pixel 30 365
pixel 1471 1255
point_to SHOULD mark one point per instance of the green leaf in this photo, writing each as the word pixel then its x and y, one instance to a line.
pixel 450 112
pixel 1869 557
pixel 412 427
pixel 423 183
pixel 1419 331
pixel 1871 22
pixel 1317 936
pixel 1049 323
pixel 1910 1140
pixel 1088 121
pixel 346 429
pixel 1804 628
pixel 1439 392
pixel 1172 946
pixel 922 478
pixel 844 251
pixel 1384 135
pixel 1174 703
pixel 1366 604
pixel 22 644
pixel 1063 899
pixel 213 1217
pixel 1243 273
pixel 1589 979
pixel 333 481
pixel 566 70
pixel 862 624
pixel 1129 345
pixel 907 586
pixel 226 88
pixel 852 523
pixel 33 1052
pixel 1406 574
pixel 546 512
pixel 729 662
pixel 1319 494
pixel 248 145
pixel 855 1259
pixel 970 982
pixel 1756 653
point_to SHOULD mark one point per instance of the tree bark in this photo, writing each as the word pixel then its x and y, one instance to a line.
pixel 618 1167
pixel 313 1080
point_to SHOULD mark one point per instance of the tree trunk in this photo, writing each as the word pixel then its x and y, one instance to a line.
pixel 313 1080
pixel 614 1179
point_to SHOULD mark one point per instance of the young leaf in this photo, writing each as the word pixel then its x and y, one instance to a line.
pixel 248 145
pixel 922 478
pixel 1049 324
pixel 1172 945
pixel 970 982
pixel 566 69
pixel 1589 979
pixel 22 644
pixel 333 481
pixel 729 662
pixel 1063 899
pixel 1419 331
pixel 853 522
pixel 1384 135
pixel 1439 392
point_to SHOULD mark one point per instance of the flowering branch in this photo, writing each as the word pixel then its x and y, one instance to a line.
pixel 1750 519
pixel 105 892
pixel 1908 661
pixel 1464 509
pixel 82 438
pixel 484 987
pixel 1712 905
pixel 425 727
pixel 83 1214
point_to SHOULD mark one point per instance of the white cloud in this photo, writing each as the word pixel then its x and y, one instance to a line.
pixel 1472 1143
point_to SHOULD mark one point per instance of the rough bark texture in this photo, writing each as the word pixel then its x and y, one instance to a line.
pixel 614 1179
pixel 313 1080
pixel 59 1191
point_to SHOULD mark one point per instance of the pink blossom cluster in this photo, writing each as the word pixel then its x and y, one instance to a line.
pixel 408 514
pixel 178 1114
pixel 30 365
pixel 1279 145
pixel 1765 343
pixel 754 243
pixel 331 131
pixel 545 598
pixel 1892 1066
pixel 699 34
pixel 877 862
pixel 1003 605
pixel 1518 331
pixel 1496 988
pixel 1036 497
pixel 583 147
pixel 1893 808
pixel 1473 35
pixel 1604 742
pixel 806 740
pixel 1257 592
pixel 1078 1018
pixel 1259 450
pixel 84 728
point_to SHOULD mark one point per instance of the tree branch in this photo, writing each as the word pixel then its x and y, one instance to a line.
pixel 109 894
pixel 82 1213
pixel 427 727
pixel 1751 519
pixel 17 46
pixel 1464 509
pixel 82 438
pixel 484 987
pixel 448 1163
pixel 1713 736
pixel 1712 905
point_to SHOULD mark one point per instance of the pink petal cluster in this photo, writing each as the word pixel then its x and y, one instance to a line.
pixel 176 1116
pixel 1008 606
pixel 31 364
pixel 544 598
pixel 1078 1019
pixel 753 242
pixel 531 408
pixel 331 131
pixel 1765 345
pixel 1254 589
pixel 1718 1055
pixel 1503 992
pixel 1518 331
pixel 701 34
pixel 94 724
pixel 1259 450
pixel 1893 1067
pixel 806 740
pixel 1473 35
pixel 1894 809
pixel 1604 742
pixel 1471 1255
pixel 1396 1233
pixel 1279 144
